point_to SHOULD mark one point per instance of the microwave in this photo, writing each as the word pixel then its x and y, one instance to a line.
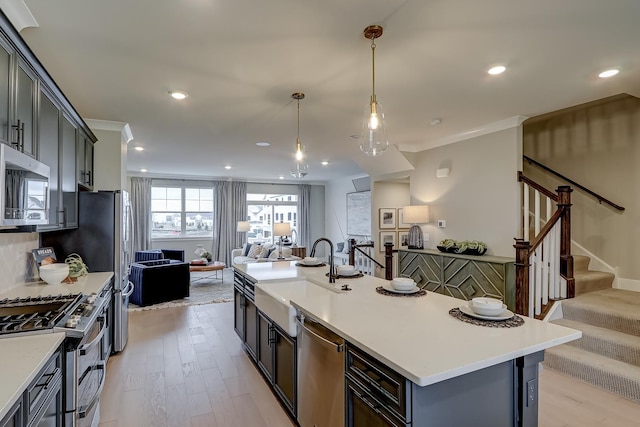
pixel 24 182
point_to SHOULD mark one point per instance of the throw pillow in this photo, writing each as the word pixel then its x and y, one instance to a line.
pixel 255 251
pixel 339 246
pixel 245 249
pixel 266 250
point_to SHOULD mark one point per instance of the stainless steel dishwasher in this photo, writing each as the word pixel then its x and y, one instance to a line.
pixel 320 376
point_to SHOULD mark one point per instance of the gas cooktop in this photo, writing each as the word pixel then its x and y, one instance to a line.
pixel 34 314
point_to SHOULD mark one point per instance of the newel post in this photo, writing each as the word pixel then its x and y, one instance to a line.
pixel 566 260
pixel 522 276
pixel 388 261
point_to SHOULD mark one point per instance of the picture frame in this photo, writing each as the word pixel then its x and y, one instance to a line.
pixel 403 239
pixel 387 218
pixel 401 223
pixel 387 236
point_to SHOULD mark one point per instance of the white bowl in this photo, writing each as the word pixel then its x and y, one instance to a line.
pixel 487 311
pixel 311 260
pixel 54 273
pixel 403 283
pixel 346 269
pixel 484 302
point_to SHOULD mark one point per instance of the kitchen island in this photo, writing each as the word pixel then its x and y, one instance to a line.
pixel 452 367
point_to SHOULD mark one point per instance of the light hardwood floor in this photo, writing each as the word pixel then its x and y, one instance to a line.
pixel 185 367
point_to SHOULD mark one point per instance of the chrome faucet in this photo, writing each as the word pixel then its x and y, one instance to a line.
pixel 332 277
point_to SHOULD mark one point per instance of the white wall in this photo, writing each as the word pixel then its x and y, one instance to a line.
pixel 480 199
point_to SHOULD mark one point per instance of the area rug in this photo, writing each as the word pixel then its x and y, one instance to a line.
pixel 204 289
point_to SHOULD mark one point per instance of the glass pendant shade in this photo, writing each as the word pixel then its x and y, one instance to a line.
pixel 373 137
pixel 300 167
pixel 299 170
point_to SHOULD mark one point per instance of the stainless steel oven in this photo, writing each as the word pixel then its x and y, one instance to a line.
pixel 85 363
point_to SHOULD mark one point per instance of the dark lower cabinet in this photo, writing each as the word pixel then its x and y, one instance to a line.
pixel 238 311
pixel 277 360
pixel 14 417
pixel 251 327
pixel 364 410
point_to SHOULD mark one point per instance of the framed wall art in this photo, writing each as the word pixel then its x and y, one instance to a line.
pixel 387 218
pixel 387 237
pixel 403 239
pixel 359 213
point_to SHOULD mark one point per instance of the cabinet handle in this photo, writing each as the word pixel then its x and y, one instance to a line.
pixel 88 177
pixel 17 129
pixel 21 135
pixel 272 335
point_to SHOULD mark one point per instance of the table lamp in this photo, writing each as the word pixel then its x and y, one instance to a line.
pixel 415 215
pixel 281 229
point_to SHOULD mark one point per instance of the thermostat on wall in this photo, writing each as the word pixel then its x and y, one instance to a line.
pixel 442 223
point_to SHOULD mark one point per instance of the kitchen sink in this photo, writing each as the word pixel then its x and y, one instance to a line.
pixel 270 299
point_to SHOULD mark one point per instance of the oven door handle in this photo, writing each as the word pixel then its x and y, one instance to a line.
pixel 82 412
pixel 128 290
pixel 84 349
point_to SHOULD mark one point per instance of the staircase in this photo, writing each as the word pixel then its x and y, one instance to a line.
pixel 608 354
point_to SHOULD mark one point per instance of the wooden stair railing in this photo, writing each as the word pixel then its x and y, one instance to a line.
pixel 388 256
pixel 544 267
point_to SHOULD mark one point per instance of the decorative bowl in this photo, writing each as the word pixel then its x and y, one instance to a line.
pixel 311 260
pixel 487 306
pixel 346 270
pixel 54 273
pixel 403 283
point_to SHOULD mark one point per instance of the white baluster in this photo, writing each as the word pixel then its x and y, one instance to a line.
pixel 526 213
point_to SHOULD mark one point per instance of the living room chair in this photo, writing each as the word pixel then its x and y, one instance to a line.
pixel 155 254
pixel 160 280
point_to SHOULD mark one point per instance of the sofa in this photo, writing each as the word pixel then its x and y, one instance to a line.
pixel 259 252
pixel 158 281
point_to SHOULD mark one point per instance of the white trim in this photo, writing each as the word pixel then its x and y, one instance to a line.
pixel 122 127
pixel 628 284
pixel 19 14
pixel 595 263
pixel 507 123
pixel 555 313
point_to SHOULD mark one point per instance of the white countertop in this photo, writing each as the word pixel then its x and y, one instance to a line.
pixel 416 336
pixel 21 358
pixel 92 282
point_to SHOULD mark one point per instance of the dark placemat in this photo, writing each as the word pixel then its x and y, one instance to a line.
pixel 299 264
pixel 513 322
pixel 340 276
pixel 383 291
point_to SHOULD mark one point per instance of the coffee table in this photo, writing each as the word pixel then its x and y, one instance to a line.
pixel 210 266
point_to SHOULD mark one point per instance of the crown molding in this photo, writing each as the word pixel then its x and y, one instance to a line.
pixel 122 127
pixel 507 123
pixel 19 14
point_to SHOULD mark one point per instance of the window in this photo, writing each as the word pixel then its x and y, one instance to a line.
pixel 262 207
pixel 179 212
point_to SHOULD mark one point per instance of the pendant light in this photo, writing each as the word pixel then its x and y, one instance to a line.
pixel 300 168
pixel 373 137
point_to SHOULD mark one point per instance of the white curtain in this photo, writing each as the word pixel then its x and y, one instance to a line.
pixel 229 207
pixel 304 215
pixel 141 213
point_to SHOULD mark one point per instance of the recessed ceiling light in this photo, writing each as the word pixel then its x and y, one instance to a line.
pixel 178 94
pixel 138 148
pixel 498 69
pixel 263 144
pixel 608 73
pixel 143 170
pixel 354 136
pixel 281 177
pixel 227 167
pixel 325 163
pixel 435 122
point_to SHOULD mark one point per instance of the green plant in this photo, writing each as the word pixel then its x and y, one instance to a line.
pixel 474 245
pixel 77 267
pixel 448 243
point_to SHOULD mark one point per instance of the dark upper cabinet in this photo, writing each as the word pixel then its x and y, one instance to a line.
pixel 49 135
pixel 24 119
pixel 68 173
pixel 6 54
pixel 85 161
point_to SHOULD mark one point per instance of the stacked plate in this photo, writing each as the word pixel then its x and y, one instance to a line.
pixel 346 270
pixel 311 261
pixel 487 309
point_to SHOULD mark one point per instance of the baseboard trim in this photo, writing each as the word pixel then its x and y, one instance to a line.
pixel 555 312
pixel 627 284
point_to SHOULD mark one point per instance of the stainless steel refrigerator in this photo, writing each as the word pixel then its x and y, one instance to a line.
pixel 104 240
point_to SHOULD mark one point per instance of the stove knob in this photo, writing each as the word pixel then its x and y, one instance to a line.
pixel 71 323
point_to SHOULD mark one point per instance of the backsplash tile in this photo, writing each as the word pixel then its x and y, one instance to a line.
pixel 15 259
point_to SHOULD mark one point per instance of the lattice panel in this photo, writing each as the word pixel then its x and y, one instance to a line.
pixel 425 269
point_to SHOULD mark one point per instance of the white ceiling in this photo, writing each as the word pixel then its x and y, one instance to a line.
pixel 240 61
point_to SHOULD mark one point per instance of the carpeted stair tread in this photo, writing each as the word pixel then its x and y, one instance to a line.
pixel 580 263
pixel 612 344
pixel 614 309
pixel 612 375
pixel 591 281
